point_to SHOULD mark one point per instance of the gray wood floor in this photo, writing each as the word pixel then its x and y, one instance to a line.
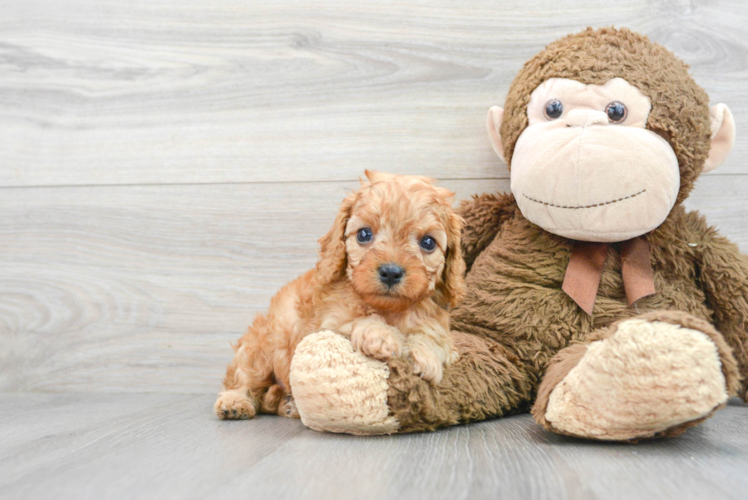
pixel 166 166
pixel 169 446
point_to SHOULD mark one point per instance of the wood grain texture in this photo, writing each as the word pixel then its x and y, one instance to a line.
pixel 106 92
pixel 106 446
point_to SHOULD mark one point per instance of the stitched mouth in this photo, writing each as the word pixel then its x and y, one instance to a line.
pixel 586 206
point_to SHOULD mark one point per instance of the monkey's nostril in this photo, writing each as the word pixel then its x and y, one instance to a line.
pixel 390 274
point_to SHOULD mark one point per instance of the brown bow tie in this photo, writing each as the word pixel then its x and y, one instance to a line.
pixel 585 269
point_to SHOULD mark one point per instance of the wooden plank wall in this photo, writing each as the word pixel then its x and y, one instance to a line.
pixel 166 166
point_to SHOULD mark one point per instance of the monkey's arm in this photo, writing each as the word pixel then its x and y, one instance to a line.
pixel 483 216
pixel 724 279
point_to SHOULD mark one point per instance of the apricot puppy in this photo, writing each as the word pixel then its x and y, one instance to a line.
pixel 388 270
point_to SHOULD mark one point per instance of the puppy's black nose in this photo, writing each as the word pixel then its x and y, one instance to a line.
pixel 390 274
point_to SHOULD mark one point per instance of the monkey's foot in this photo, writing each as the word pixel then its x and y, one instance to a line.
pixel 654 375
pixel 340 389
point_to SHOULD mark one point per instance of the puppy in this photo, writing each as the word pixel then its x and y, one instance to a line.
pixel 387 271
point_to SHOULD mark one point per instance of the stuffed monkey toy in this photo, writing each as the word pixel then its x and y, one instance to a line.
pixel 593 298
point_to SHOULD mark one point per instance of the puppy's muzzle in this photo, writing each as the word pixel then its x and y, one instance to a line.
pixel 390 274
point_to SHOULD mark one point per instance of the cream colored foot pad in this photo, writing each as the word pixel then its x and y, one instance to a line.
pixel 648 377
pixel 338 389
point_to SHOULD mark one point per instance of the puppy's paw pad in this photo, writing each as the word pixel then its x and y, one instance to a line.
pixel 234 406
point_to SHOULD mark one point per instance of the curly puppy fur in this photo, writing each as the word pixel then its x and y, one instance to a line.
pixel 348 293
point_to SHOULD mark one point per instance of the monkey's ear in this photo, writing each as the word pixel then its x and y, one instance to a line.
pixel 493 123
pixel 723 136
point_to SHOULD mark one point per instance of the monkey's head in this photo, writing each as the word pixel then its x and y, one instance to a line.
pixel 604 133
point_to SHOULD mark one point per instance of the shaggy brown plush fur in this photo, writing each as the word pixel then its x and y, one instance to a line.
pixel 520 318
pixel 515 317
pixel 486 381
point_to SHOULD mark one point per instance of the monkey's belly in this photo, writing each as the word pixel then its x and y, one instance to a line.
pixel 514 297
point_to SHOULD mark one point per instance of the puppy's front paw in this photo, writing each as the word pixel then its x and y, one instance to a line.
pixel 427 364
pixel 233 405
pixel 376 340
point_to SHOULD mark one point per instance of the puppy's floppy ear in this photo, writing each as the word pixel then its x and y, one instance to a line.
pixel 333 259
pixel 451 286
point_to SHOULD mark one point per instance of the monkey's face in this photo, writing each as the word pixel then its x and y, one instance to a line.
pixel 587 168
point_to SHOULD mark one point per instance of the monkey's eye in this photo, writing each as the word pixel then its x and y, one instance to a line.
pixel 616 111
pixel 428 243
pixel 364 235
pixel 553 109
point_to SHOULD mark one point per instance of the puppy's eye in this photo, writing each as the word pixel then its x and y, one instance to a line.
pixel 616 112
pixel 364 235
pixel 428 243
pixel 553 109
